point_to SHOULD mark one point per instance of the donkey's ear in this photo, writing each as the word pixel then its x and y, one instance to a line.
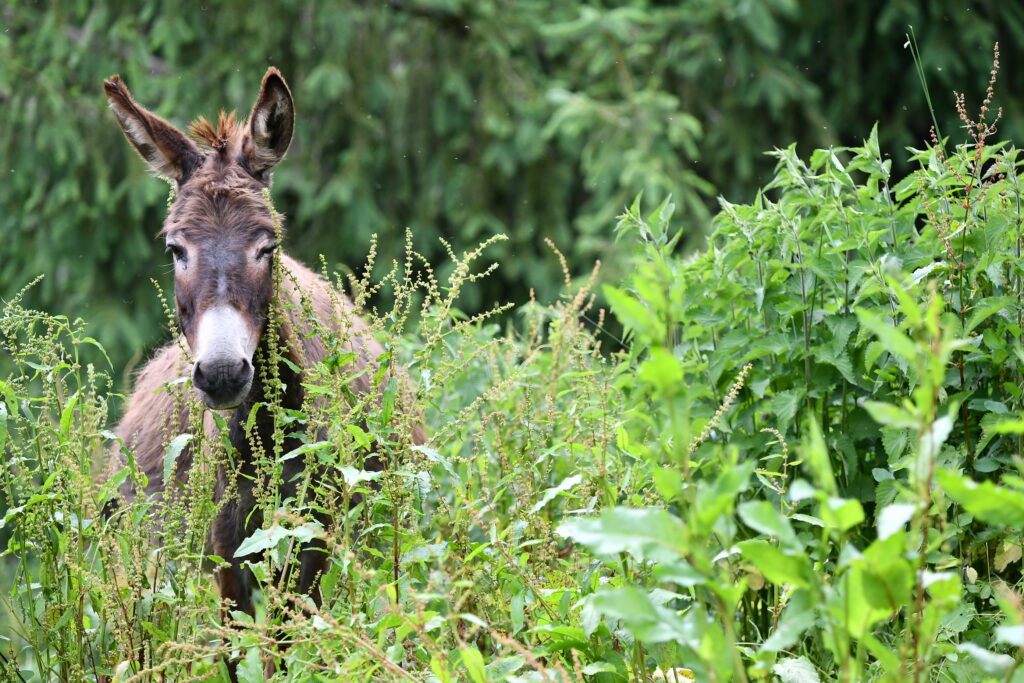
pixel 271 123
pixel 165 148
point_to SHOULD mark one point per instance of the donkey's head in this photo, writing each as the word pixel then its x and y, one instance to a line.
pixel 219 230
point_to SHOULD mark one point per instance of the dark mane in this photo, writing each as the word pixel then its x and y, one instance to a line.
pixel 216 138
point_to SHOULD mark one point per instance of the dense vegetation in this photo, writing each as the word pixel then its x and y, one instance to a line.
pixel 802 465
pixel 774 438
pixel 459 118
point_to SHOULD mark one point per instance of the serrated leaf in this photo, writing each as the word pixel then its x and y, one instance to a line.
pixel 784 405
pixel 643 618
pixel 303 449
pixel 985 308
pixel 895 442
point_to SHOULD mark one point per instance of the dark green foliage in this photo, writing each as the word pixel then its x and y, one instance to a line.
pixel 875 327
pixel 462 118
pixel 803 464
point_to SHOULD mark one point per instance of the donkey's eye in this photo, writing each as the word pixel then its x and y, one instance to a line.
pixel 265 251
pixel 176 252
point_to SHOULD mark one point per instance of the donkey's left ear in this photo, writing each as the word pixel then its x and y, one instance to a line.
pixel 271 123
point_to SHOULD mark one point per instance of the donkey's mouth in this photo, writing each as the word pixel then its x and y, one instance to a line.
pixel 224 402
pixel 223 383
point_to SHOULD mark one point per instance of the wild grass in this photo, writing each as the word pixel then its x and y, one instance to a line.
pixel 803 463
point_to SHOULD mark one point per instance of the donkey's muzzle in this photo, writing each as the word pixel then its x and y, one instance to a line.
pixel 223 382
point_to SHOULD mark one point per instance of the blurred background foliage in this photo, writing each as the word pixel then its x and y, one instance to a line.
pixel 457 118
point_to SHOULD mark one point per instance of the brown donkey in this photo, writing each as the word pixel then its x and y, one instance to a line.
pixel 220 232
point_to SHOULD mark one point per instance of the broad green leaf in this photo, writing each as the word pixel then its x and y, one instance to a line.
pixel 362 439
pixel 680 573
pixel 174 449
pixel 352 476
pixel 785 405
pixel 1008 426
pixel 662 370
pixel 778 567
pixel 892 339
pixel 859 614
pixel 68 414
pixel 646 620
pixel 648 533
pixel 549 494
pixel 987 501
pixel 1012 634
pixel 841 513
pixel 762 516
pixel 815 455
pixel 3 427
pixel 888 575
pixel 503 668
pixel 985 308
pixel 797 617
pixel 720 498
pixel 474 663
pixel 265 539
pixel 303 449
pixel 796 670
pixel 250 668
pixel 892 518
pixel 634 314
pixel 993 663
pixel 891 416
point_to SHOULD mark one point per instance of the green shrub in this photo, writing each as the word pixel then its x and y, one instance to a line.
pixel 458 118
pixel 828 525
pixel 803 465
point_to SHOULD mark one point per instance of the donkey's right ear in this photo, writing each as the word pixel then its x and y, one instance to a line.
pixel 166 149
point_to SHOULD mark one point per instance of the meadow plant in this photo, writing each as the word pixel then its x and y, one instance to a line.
pixel 800 462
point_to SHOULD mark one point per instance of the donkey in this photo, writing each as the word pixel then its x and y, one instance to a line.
pixel 220 233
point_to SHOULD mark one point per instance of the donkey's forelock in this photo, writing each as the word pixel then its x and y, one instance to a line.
pixel 216 137
pixel 218 198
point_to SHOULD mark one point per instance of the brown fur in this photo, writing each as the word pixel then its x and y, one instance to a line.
pixel 221 232
pixel 146 438
pixel 204 132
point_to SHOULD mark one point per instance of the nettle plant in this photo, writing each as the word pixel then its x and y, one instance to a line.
pixel 824 389
pixel 803 465
pixel 442 565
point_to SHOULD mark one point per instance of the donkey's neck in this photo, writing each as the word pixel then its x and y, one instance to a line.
pixel 290 395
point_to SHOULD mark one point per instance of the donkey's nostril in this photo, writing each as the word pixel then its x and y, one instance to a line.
pixel 198 377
